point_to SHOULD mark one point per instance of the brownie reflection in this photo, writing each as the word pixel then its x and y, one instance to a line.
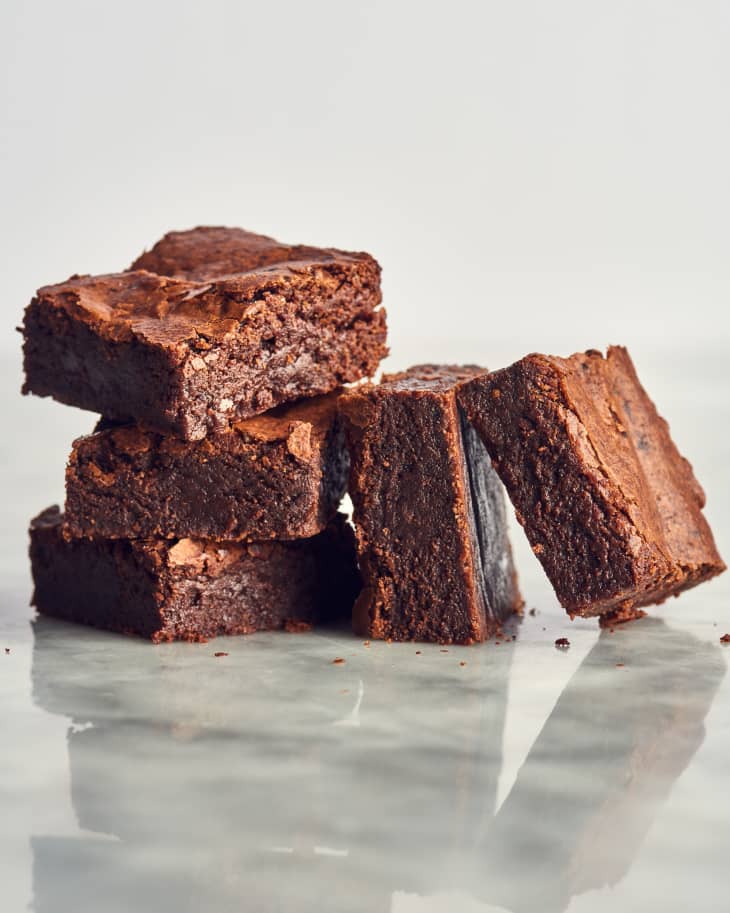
pixel 194 782
pixel 625 727
pixel 199 789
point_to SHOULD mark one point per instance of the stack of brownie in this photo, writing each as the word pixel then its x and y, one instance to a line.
pixel 205 501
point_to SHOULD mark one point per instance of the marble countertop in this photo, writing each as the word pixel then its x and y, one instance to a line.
pixel 409 779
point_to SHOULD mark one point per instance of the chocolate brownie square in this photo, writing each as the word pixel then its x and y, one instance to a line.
pixel 230 324
pixel 610 507
pixel 280 475
pixel 429 513
pixel 191 589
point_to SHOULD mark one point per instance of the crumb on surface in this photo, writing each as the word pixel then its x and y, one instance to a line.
pixel 532 612
pixel 725 639
pixel 463 662
pixel 294 626
pixel 418 652
pixel 621 616
pixel 338 661
pixel 562 643
pixel 366 643
pixel 7 650
pixel 220 653
pixel 620 665
pixel 444 651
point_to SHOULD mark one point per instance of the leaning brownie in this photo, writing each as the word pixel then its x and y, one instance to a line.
pixel 232 325
pixel 429 513
pixel 610 507
pixel 280 475
pixel 191 589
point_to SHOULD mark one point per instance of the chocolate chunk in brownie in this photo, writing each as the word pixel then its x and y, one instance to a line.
pixel 234 325
pixel 191 589
pixel 280 475
pixel 429 513
pixel 610 507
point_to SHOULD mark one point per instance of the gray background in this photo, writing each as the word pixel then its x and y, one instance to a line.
pixel 553 172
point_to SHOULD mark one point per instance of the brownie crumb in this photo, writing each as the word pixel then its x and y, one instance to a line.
pixel 220 653
pixel 462 663
pixel 532 612
pixel 444 651
pixel 621 616
pixel 562 643
pixel 725 639
pixel 418 652
pixel 338 661
pixel 620 665
pixel 293 626
pixel 7 650
pixel 366 643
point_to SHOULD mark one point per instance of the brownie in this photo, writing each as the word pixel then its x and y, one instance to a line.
pixel 610 507
pixel 232 325
pixel 280 475
pixel 429 513
pixel 190 589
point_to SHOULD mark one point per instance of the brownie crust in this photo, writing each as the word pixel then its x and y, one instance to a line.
pixel 609 506
pixel 191 589
pixel 280 475
pixel 236 325
pixel 429 513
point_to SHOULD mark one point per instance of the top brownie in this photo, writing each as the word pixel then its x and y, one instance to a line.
pixel 210 326
pixel 609 505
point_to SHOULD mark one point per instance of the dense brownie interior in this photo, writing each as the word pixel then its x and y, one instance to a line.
pixel 191 589
pixel 276 476
pixel 432 542
pixel 609 506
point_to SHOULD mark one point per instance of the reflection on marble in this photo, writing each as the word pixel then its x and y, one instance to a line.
pixel 600 768
pixel 265 781
pixel 271 780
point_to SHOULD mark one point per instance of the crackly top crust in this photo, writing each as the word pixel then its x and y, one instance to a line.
pixel 429 377
pixel 224 277
pixel 207 252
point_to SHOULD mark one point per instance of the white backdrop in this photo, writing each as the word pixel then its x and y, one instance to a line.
pixel 546 174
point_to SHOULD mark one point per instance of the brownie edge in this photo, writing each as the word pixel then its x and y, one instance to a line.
pixel 191 589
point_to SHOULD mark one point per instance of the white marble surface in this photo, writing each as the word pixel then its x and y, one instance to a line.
pixel 161 779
